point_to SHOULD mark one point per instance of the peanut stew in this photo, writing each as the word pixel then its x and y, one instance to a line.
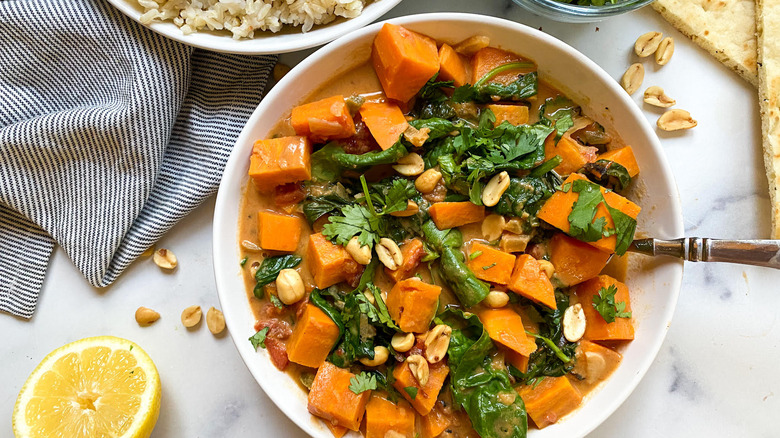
pixel 426 244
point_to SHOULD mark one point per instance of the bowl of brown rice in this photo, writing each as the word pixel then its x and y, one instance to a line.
pixel 254 27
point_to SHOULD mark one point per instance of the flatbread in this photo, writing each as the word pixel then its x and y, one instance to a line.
pixel 768 24
pixel 725 28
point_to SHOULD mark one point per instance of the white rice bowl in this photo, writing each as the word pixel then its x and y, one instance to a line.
pixel 243 17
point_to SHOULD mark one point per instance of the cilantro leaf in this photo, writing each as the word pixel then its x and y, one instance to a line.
pixel 398 195
pixel 357 220
pixel 276 301
pixel 362 382
pixel 258 339
pixel 605 304
pixel 625 227
pixel 382 313
pixel 412 391
pixel 582 225
pixel 585 228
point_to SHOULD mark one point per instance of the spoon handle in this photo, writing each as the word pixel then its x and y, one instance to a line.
pixel 696 249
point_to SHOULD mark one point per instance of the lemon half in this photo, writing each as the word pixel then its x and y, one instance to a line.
pixel 101 387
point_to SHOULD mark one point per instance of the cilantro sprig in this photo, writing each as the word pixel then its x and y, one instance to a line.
pixel 362 382
pixel 370 220
pixel 582 223
pixel 258 339
pixel 605 304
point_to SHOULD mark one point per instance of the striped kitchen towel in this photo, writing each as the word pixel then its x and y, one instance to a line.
pixel 109 135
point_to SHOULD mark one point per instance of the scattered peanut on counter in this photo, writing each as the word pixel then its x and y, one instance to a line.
pixel 145 316
pixel 191 316
pixel 654 43
pixel 165 259
pixel 215 320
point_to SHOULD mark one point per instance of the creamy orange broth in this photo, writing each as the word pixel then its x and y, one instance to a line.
pixel 363 81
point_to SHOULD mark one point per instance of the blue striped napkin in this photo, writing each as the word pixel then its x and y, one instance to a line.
pixel 109 135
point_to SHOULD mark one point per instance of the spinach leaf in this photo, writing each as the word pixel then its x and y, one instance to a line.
pixel 476 384
pixel 609 174
pixel 549 360
pixel 525 196
pixel 467 287
pixel 439 127
pixel 328 163
pixel 432 90
pixel 525 86
pixel 317 299
pixel 558 112
pixel 269 269
pixel 432 101
pixel 314 207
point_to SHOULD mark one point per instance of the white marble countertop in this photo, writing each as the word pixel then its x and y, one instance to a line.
pixel 714 376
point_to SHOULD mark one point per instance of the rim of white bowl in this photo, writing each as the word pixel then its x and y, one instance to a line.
pixel 235 161
pixel 264 43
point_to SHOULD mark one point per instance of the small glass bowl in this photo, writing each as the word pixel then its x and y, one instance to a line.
pixel 574 13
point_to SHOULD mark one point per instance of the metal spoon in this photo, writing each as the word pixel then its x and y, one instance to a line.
pixel 696 249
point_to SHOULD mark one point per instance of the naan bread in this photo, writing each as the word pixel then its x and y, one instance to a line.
pixel 768 24
pixel 725 28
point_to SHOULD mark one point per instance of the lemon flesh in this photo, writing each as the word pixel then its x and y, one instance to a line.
pixel 101 387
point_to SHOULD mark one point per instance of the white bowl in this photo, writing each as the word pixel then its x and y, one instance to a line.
pixel 264 42
pixel 655 284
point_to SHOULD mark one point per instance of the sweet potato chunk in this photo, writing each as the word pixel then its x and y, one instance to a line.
pixel 329 263
pixel 557 208
pixel 489 58
pixel 489 263
pixel 530 281
pixel 427 394
pixel 597 329
pixel 505 326
pixel 382 416
pixel 551 400
pixel 337 431
pixel 385 121
pixel 331 399
pixel 412 304
pixel 453 67
pixel 573 155
pixel 312 338
pixel 326 119
pixel 413 251
pixel 623 156
pixel 575 261
pixel 514 114
pixel 279 161
pixel 515 359
pixel 435 423
pixel 455 214
pixel 278 232
pixel 595 362
pixel 403 61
